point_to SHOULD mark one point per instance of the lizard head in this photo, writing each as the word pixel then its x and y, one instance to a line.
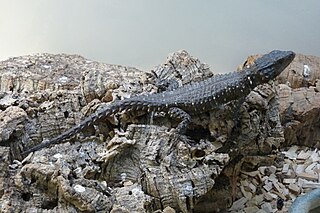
pixel 272 64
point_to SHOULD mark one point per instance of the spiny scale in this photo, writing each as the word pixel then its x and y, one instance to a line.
pixel 192 98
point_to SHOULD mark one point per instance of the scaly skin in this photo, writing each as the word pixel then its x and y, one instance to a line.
pixel 192 98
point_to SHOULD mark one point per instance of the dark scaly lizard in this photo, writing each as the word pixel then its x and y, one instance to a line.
pixel 192 98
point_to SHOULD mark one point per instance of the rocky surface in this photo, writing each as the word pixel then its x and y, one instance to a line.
pixel 273 187
pixel 134 163
pixel 273 184
pixel 299 98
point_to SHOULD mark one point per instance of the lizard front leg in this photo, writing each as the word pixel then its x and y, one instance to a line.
pixel 179 114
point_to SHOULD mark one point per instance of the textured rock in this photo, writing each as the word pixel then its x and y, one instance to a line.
pixel 139 165
pixel 300 115
pixel 299 103
pixel 180 68
pixel 4 172
pixel 299 100
pixel 304 71
pixel 12 120
pixel 53 93
pixel 41 72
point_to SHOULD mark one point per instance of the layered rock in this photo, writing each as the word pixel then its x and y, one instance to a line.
pixel 139 165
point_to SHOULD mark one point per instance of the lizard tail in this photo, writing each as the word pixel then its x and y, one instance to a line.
pixel 102 113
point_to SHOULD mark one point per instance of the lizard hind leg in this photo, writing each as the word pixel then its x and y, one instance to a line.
pixel 179 114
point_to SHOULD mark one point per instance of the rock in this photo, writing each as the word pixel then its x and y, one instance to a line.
pixel 267 207
pixel 140 165
pixel 172 73
pixel 63 95
pixel 168 209
pixel 300 115
pixel 304 71
pixel 4 173
pixel 12 120
pixel 296 74
pixel 238 204
pixel 38 72
pixel 252 209
pixel 299 98
pixel 300 101
pixel 304 155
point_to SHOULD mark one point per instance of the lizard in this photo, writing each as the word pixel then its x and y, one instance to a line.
pixel 192 98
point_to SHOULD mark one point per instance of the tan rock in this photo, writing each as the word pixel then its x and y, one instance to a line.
pixel 267 207
pixel 168 209
pixel 285 168
pixel 296 74
pixel 299 101
pixel 268 186
pixel 308 176
pixel 299 169
pixel 11 118
pixel 252 187
pixel 245 193
pixel 294 188
pixel 304 155
pixel 256 200
pixel 251 209
pixel 239 204
pixel 288 181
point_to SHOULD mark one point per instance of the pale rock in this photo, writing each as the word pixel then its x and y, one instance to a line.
pixel 299 169
pixel 317 170
pixel 264 178
pixel 262 170
pixel 261 211
pixel 308 176
pixel 273 178
pixel 251 209
pixel 315 156
pixel 255 182
pixel 79 188
pixel 246 194
pixel 292 196
pixel 310 168
pixel 128 183
pixel 267 186
pixel 285 168
pixel 251 174
pixel 244 182
pixel 270 196
pixel 267 207
pixel 278 194
pixel 285 191
pixel 256 200
pixel 290 174
pixel 272 169
pixel 273 195
pixel 168 209
pixel 308 184
pixel 304 155
pixel 252 187
pixel 238 204
pixel 289 180
pixel 288 161
pixel 294 188
pixel 281 185
pixel 300 182
pixel 57 156
pixel 278 188
pixel 291 153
